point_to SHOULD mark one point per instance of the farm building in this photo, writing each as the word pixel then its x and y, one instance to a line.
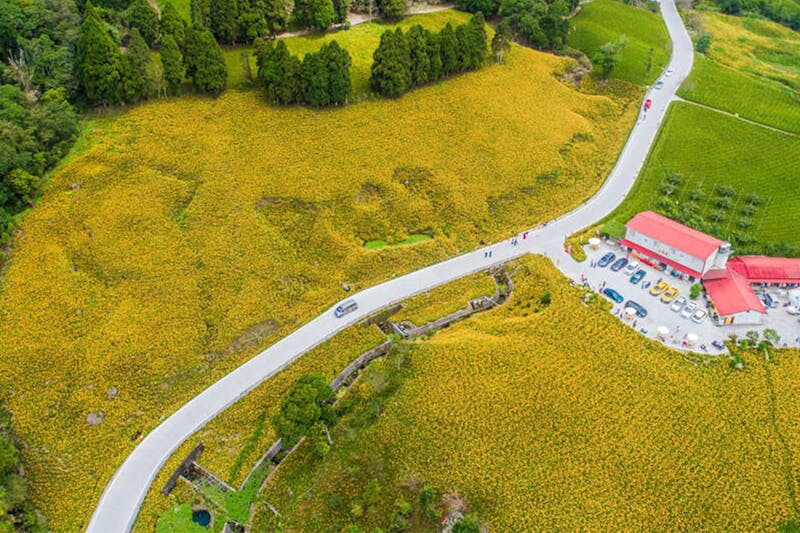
pixel 763 270
pixel 672 247
pixel 732 298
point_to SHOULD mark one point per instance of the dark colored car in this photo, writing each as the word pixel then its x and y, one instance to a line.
pixel 719 345
pixel 637 277
pixel 641 311
pixel 618 264
pixel 606 259
pixel 613 295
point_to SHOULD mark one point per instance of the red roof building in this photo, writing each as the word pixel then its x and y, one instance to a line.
pixel 763 269
pixel 674 245
pixel 731 293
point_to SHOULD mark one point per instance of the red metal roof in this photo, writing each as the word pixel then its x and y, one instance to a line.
pixel 763 269
pixel 731 293
pixel 688 240
pixel 661 258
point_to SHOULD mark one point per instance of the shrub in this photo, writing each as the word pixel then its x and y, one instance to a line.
pixel 745 223
pixel 725 191
pixel 694 291
pixel 754 199
pixel 722 203
pixel 748 210
pixel 702 43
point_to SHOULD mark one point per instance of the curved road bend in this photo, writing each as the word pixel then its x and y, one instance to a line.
pixel 120 502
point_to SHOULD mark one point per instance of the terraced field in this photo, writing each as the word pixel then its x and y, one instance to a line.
pixel 190 233
pixel 602 21
pixel 556 417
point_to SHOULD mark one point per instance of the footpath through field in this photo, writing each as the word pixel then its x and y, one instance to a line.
pixel 120 502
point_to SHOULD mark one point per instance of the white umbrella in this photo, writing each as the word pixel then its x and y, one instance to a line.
pixel 663 331
pixel 594 242
pixel 792 310
pixel 630 312
pixel 691 338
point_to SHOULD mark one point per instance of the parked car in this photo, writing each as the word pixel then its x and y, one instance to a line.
pixel 618 264
pixel 698 316
pixel 613 295
pixel 640 310
pixel 639 276
pixel 670 294
pixel 719 345
pixel 347 306
pixel 669 72
pixel 606 259
pixel 659 84
pixel 690 308
pixel 659 287
pixel 769 300
pixel 678 303
pixel 631 267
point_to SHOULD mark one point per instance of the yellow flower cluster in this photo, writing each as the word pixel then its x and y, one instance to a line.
pixel 191 233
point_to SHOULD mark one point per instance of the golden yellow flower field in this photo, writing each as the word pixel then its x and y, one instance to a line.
pixel 558 418
pixel 190 233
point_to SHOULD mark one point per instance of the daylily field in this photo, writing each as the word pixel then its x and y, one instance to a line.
pixel 185 235
pixel 558 418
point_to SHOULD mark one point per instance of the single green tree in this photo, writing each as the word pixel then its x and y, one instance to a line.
pixel 341 9
pixel 337 61
pixel 276 14
pixel 608 56
pixel 200 13
pixel 252 22
pixel 306 404
pixel 316 82
pixel 448 47
pixel 97 60
pixel 205 64
pixel 172 63
pixel 142 17
pixel 501 42
pixel 136 83
pixel 278 72
pixel 172 23
pixel 23 183
pixel 393 9
pixel 434 54
pixel 418 53
pixel 391 65
pixel 224 17
pixel 317 14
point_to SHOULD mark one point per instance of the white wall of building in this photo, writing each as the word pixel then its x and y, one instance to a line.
pixel 743 318
pixel 694 263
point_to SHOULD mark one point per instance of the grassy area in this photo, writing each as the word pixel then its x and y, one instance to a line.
pixel 595 429
pixel 751 97
pixel 710 150
pixel 602 21
pixel 755 46
pixel 200 230
pixel 183 7
pixel 414 238
pixel 360 41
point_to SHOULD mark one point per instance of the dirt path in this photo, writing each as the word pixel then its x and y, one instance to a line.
pixel 737 116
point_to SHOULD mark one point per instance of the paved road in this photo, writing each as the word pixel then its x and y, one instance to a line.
pixel 120 502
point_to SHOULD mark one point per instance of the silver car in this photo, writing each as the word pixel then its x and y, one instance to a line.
pixel 678 304
pixel 690 308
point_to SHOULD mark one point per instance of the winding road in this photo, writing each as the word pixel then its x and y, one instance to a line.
pixel 120 502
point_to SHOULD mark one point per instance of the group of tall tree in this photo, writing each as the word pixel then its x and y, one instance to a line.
pixel 109 75
pixel 542 24
pixel 321 79
pixel 241 21
pixel 420 56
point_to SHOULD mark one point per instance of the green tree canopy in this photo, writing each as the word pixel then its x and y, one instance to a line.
pixel 172 63
pixel 391 65
pixel 136 82
pixel 205 64
pixel 306 404
pixel 172 23
pixel 142 17
pixel 98 60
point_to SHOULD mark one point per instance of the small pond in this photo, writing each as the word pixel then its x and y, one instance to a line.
pixel 201 517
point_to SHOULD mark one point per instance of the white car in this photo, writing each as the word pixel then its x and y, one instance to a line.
pixel 659 84
pixel 669 72
pixel 698 316
pixel 690 308
pixel 632 267
pixel 678 304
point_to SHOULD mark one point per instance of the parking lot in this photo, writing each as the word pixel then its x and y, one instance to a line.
pixel 664 321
